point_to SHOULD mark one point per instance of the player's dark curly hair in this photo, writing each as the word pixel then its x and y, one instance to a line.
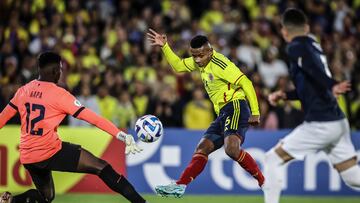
pixel 198 41
pixel 48 58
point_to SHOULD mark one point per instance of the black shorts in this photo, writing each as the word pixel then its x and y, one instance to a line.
pixel 66 160
pixel 233 119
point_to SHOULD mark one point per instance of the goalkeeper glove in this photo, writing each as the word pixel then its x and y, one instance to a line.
pixel 130 143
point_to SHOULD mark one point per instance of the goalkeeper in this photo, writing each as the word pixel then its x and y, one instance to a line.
pixel 42 105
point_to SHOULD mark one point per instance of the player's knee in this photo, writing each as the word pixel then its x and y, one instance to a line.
pixel 102 163
pixel 100 166
pixel 232 152
pixel 203 149
pixel 272 157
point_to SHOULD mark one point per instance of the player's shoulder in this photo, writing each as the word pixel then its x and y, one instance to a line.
pixel 220 60
pixel 297 46
pixel 53 90
pixel 61 91
pixel 25 87
pixel 303 45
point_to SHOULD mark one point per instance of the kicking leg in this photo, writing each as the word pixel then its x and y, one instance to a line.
pixel 275 159
pixel 232 149
pixel 88 163
pixel 194 168
pixel 198 161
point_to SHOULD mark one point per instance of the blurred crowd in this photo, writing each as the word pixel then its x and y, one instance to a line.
pixel 112 69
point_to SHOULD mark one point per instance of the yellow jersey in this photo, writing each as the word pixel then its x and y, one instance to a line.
pixel 223 80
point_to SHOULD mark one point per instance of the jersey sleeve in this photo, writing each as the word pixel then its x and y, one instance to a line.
pixel 15 101
pixel 8 112
pixel 233 75
pixel 11 109
pixel 68 104
pixel 98 121
pixel 311 64
pixel 178 64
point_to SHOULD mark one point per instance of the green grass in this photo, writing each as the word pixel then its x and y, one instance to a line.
pixel 95 198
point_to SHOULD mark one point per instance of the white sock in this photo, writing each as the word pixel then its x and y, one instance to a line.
pixel 351 177
pixel 274 174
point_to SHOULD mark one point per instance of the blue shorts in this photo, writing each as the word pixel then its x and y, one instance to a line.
pixel 233 119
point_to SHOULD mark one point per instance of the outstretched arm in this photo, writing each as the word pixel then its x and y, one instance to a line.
pixel 96 120
pixel 8 112
pixel 69 105
pixel 178 64
pixel 107 126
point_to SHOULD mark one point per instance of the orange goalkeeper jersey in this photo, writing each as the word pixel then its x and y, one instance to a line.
pixel 42 106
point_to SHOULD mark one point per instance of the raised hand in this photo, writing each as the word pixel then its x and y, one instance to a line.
pixel 155 38
pixel 276 96
pixel 341 88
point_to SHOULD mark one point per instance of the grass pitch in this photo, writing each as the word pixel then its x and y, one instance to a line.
pixel 96 198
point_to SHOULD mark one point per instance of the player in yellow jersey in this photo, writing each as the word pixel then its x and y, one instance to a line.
pixel 231 93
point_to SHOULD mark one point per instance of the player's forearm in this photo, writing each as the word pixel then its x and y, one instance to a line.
pixel 250 94
pixel 7 114
pixel 174 60
pixel 98 121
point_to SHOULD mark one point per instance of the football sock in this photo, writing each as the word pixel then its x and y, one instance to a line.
pixel 30 196
pixel 274 174
pixel 249 164
pixel 120 184
pixel 195 167
pixel 351 177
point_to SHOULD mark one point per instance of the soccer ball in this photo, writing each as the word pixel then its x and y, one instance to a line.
pixel 149 128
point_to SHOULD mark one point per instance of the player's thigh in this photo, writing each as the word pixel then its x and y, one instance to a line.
pixel 236 121
pixel 310 137
pixel 67 159
pixel 89 163
pixel 213 138
pixel 42 179
pixel 207 144
pixel 73 158
pixel 342 153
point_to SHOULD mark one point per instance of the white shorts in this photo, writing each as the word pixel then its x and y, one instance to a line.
pixel 332 137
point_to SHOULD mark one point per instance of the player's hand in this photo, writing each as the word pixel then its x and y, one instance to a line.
pixel 130 143
pixel 274 97
pixel 341 88
pixel 254 120
pixel 155 38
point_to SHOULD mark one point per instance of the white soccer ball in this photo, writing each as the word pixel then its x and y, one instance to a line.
pixel 149 128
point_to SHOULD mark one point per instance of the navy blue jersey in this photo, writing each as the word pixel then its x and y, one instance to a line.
pixel 312 79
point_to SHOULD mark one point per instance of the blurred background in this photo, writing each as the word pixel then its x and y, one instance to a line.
pixel 111 68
